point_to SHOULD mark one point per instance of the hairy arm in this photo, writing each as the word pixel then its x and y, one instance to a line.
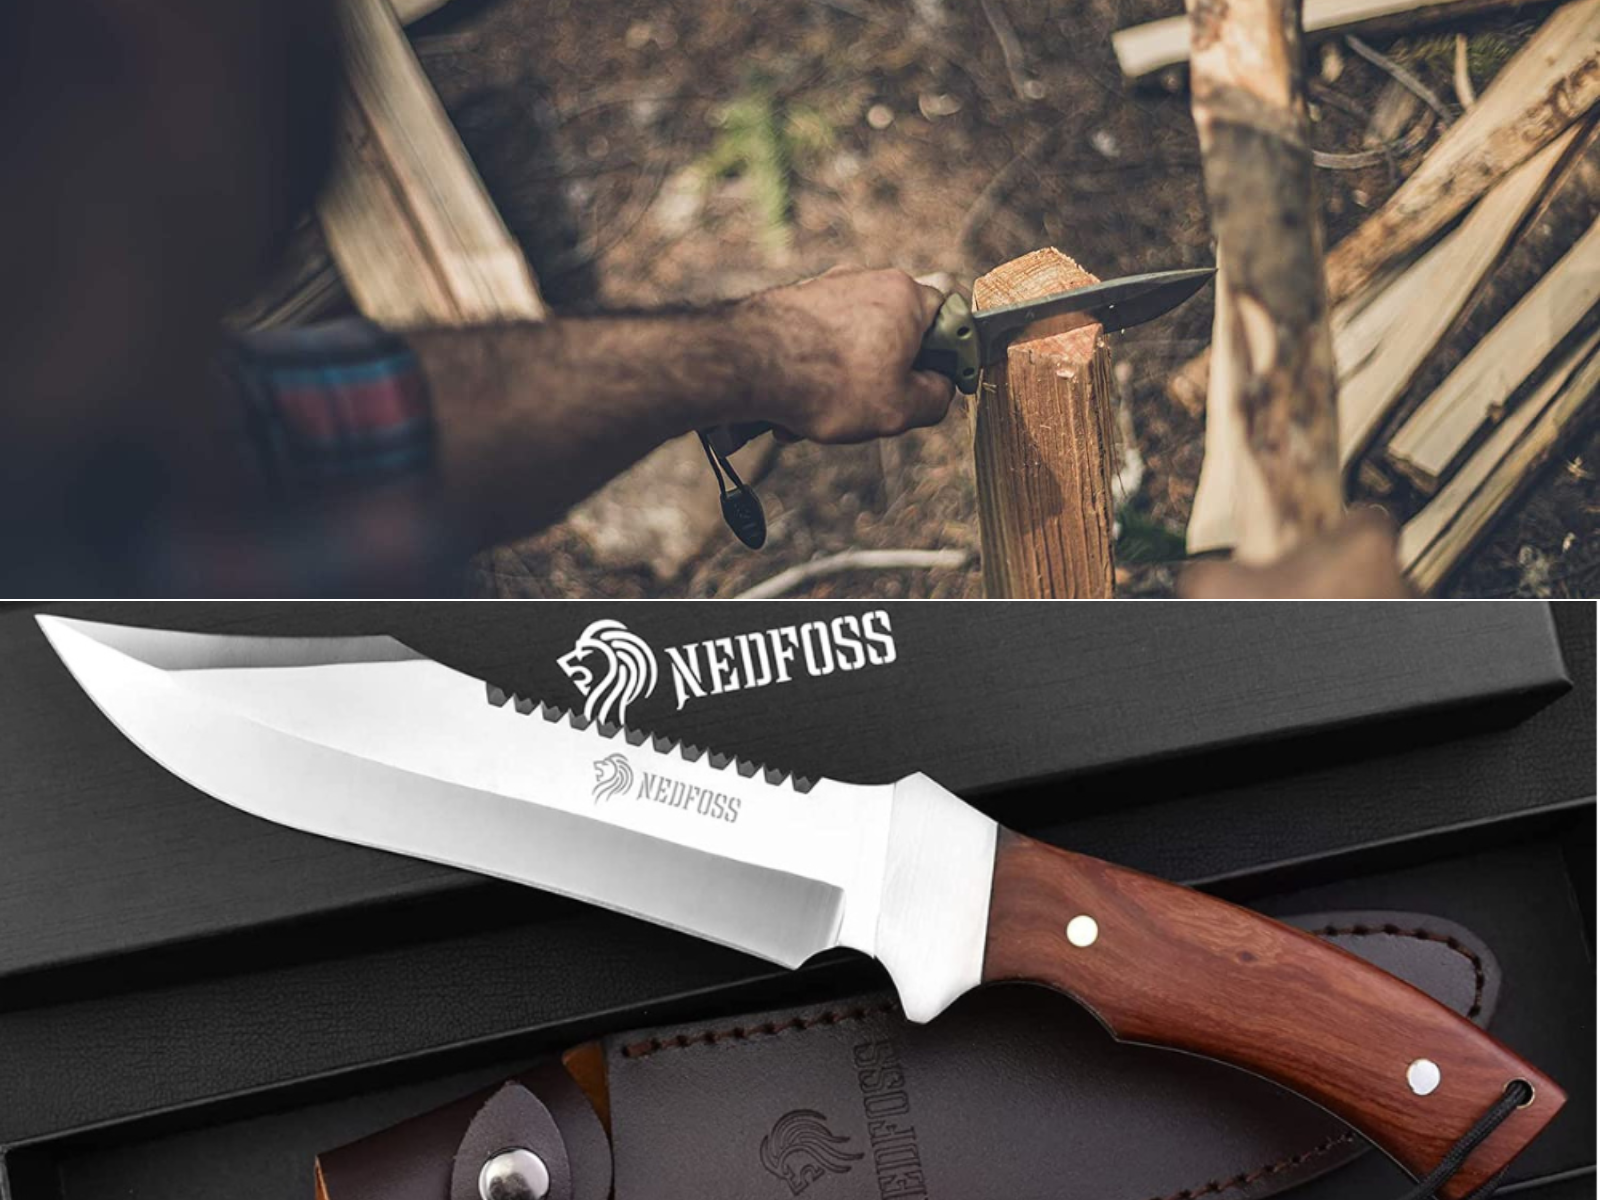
pixel 525 419
pixel 531 418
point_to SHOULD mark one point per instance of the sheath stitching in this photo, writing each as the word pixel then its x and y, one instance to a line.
pixel 740 1033
pixel 1479 976
pixel 1260 1173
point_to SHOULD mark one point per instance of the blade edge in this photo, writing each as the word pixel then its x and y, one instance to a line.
pixel 772 914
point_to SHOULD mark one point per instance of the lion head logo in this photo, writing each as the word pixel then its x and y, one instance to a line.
pixel 801 1149
pixel 612 777
pixel 627 670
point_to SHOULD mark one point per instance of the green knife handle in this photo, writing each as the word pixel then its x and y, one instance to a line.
pixel 950 347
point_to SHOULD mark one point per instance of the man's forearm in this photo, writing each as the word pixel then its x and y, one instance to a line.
pixel 531 418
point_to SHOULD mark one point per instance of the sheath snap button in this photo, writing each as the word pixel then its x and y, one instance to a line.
pixel 514 1175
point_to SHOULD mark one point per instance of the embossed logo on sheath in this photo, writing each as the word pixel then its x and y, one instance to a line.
pixel 801 1150
pixel 891 1135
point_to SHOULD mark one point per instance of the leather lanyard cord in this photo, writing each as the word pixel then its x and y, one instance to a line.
pixel 741 507
pixel 712 457
pixel 1518 1093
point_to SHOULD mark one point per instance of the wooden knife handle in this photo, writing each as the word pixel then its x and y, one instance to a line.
pixel 1168 966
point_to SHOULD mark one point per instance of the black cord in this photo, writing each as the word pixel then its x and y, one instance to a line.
pixel 1518 1092
pixel 712 457
pixel 741 507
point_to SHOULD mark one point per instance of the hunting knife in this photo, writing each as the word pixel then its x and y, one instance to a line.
pixel 961 342
pixel 365 740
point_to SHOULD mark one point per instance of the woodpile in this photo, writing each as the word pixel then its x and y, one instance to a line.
pixel 1464 313
pixel 1148 49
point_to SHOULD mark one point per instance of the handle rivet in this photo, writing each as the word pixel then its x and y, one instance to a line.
pixel 1423 1076
pixel 514 1175
pixel 1082 930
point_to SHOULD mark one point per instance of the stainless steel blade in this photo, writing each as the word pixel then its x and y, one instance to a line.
pixel 1115 305
pixel 367 741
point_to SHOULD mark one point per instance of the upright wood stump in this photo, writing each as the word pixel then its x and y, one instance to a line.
pixel 1041 439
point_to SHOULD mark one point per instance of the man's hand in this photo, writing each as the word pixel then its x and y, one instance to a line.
pixel 1357 560
pixel 837 351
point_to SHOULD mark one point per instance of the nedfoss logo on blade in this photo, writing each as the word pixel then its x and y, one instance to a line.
pixel 613 668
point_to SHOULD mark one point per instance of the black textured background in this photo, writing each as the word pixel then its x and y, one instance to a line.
pixel 479 974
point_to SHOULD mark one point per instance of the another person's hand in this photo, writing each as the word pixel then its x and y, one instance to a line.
pixel 1359 559
pixel 837 351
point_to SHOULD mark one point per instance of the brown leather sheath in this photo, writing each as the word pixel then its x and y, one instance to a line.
pixel 1014 1093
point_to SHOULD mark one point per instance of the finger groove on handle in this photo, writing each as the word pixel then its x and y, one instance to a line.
pixel 1167 966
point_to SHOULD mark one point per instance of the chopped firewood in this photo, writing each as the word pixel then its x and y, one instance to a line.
pixel 1434 542
pixel 306 286
pixel 1380 349
pixel 1466 94
pixel 1396 108
pixel 1551 82
pixel 1569 205
pixel 1376 367
pixel 416 237
pixel 1042 445
pixel 1144 49
pixel 1434 436
pixel 1272 378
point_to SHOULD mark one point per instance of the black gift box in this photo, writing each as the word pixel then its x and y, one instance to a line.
pixel 187 994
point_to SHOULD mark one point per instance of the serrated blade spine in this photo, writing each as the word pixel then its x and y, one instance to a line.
pixel 662 744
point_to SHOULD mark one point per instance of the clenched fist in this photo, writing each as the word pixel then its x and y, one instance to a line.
pixel 840 348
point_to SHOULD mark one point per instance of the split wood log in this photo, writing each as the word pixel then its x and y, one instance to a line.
pixel 305 286
pixel 1272 378
pixel 1216 493
pixel 1478 390
pixel 415 235
pixel 1393 112
pixel 1042 437
pixel 1551 82
pixel 1569 206
pixel 1144 49
pixel 1434 541
pixel 1380 349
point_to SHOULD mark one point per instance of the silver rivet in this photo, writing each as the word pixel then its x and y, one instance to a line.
pixel 1082 930
pixel 1423 1076
pixel 514 1175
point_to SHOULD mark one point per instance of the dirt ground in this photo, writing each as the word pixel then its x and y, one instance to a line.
pixel 663 153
